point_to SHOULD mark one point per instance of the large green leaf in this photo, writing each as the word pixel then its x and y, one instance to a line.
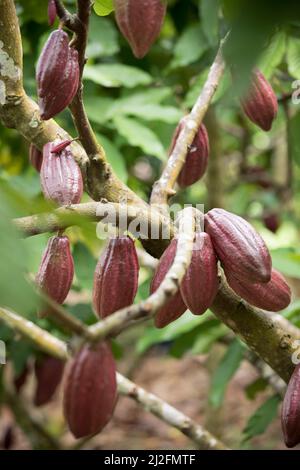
pixel 114 157
pixel 287 261
pixel 116 75
pixel 209 10
pixel 225 371
pixel 103 38
pixel 273 55
pixel 262 418
pixel 103 7
pixel 293 57
pixel 189 47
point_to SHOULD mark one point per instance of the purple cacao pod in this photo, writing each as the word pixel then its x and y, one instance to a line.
pixel 200 284
pixel 48 373
pixel 90 390
pixel 273 296
pixel 140 22
pixel 197 157
pixel 175 307
pixel 56 270
pixel 116 277
pixel 57 75
pixel 51 12
pixel 35 157
pixel 61 178
pixel 238 246
pixel 260 104
pixel 290 411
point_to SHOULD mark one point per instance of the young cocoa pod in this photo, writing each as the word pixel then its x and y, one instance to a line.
pixel 200 284
pixel 57 75
pixel 90 390
pixel 271 221
pixel 61 178
pixel 35 157
pixel 48 373
pixel 260 104
pixel 56 270
pixel 116 277
pixel 273 296
pixel 51 12
pixel 140 22
pixel 238 246
pixel 175 307
pixel 290 411
pixel 197 157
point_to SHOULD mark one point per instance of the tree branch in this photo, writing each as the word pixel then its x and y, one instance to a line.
pixel 164 187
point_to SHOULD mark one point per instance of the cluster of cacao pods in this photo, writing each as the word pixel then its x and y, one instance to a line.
pixel 246 262
pixel 57 73
pixel 290 411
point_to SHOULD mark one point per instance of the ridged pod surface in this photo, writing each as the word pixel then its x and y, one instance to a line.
pixel 200 284
pixel 90 390
pixel 35 157
pixel 290 411
pixel 140 22
pixel 175 307
pixel 61 179
pixel 239 247
pixel 51 12
pixel 116 277
pixel 57 75
pixel 273 296
pixel 56 270
pixel 48 373
pixel 197 157
pixel 260 104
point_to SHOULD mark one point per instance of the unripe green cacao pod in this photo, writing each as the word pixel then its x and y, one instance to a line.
pixel 140 22
pixel 238 246
pixel 290 411
pixel 90 390
pixel 175 307
pixel 116 277
pixel 200 284
pixel 48 372
pixel 273 296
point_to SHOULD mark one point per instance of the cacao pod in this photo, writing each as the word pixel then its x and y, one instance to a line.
pixel 238 246
pixel 61 178
pixel 116 277
pixel 271 221
pixel 175 307
pixel 56 270
pixel 35 157
pixel 51 12
pixel 140 22
pixel 273 296
pixel 260 104
pixel 57 75
pixel 290 411
pixel 196 159
pixel 90 390
pixel 200 284
pixel 20 379
pixel 48 373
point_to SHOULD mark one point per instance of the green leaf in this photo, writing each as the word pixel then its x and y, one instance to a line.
pixel 114 157
pixel 209 10
pixel 287 261
pixel 103 38
pixel 294 138
pixel 83 312
pixel 116 75
pixel 273 55
pixel 257 386
pixel 225 371
pixel 190 47
pixel 262 418
pixel 103 7
pixel 84 264
pixel 140 136
pixel 293 57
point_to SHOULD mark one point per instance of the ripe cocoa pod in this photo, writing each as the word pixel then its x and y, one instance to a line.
pixel 56 270
pixel 140 22
pixel 90 390
pixel 273 296
pixel 200 284
pixel 35 157
pixel 57 75
pixel 238 246
pixel 20 380
pixel 260 104
pixel 290 411
pixel 197 157
pixel 116 277
pixel 48 373
pixel 51 12
pixel 175 307
pixel 61 178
